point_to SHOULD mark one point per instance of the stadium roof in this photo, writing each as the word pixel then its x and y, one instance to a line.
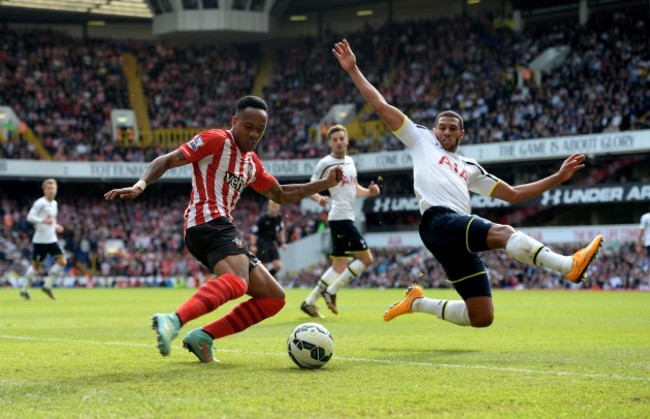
pixel 73 11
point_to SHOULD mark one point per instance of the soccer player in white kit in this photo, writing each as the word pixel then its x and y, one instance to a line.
pixel 347 242
pixel 43 216
pixel 644 235
pixel 442 182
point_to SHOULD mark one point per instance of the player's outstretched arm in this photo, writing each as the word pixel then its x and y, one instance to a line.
pixel 520 193
pixel 393 117
pixel 371 190
pixel 153 172
pixel 290 194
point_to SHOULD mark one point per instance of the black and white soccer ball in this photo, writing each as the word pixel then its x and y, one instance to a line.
pixel 310 345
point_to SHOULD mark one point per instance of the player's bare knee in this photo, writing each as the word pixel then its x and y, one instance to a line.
pixel 482 320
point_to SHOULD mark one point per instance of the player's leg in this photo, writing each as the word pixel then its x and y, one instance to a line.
pixel 329 276
pixel 352 270
pixel 56 271
pixel 347 240
pixel 276 266
pixel 219 246
pixel 455 241
pixel 28 278
pixel 526 249
pixel 267 299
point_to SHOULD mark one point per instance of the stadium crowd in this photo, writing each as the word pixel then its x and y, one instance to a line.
pixel 63 88
pixel 140 244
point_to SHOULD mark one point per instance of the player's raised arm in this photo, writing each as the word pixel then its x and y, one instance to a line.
pixel 153 172
pixel 290 194
pixel 392 116
pixel 520 193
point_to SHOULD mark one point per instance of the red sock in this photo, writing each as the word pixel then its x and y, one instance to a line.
pixel 244 315
pixel 211 295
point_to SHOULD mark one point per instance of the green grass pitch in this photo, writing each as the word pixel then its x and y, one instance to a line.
pixel 549 354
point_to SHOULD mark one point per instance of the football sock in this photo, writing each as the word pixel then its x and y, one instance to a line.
pixel 29 278
pixel 327 278
pixel 211 295
pixel 526 249
pixel 454 311
pixel 354 269
pixel 246 314
pixel 54 273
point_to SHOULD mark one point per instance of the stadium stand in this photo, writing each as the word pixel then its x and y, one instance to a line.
pixel 63 89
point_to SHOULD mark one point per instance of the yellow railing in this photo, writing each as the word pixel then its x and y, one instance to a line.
pixel 31 138
pixel 264 73
pixel 137 99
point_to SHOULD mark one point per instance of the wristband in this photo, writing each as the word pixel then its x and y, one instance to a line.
pixel 140 184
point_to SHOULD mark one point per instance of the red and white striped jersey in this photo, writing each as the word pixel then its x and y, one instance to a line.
pixel 221 172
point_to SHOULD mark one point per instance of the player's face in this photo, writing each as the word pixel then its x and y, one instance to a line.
pixel 49 191
pixel 274 208
pixel 338 142
pixel 248 128
pixel 448 132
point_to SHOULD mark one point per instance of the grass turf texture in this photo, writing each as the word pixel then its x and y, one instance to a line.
pixel 92 353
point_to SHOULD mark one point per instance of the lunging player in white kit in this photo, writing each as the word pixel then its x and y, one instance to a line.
pixel 43 215
pixel 442 181
pixel 346 239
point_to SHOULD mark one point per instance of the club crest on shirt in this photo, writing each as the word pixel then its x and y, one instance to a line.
pixel 239 243
pixel 195 142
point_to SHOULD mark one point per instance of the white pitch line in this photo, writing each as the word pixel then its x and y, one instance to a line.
pixel 366 360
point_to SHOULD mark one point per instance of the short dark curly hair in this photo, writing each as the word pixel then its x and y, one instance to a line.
pixel 450 114
pixel 250 102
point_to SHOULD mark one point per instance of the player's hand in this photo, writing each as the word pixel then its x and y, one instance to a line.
pixel 48 220
pixel 58 228
pixel 344 54
pixel 131 192
pixel 373 188
pixel 334 176
pixel 571 165
pixel 323 201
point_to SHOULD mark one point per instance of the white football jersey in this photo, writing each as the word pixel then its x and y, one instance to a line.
pixel 343 195
pixel 645 226
pixel 42 208
pixel 442 178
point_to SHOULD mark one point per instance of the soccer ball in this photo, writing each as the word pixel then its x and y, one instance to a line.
pixel 310 345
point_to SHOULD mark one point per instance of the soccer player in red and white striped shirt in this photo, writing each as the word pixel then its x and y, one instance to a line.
pixel 224 163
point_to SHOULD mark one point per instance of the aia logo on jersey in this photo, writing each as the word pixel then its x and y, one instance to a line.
pixel 239 243
pixel 195 142
pixel 236 182
pixel 454 166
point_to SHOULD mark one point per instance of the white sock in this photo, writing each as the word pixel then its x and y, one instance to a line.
pixel 454 311
pixel 354 269
pixel 54 273
pixel 327 278
pixel 29 278
pixel 526 249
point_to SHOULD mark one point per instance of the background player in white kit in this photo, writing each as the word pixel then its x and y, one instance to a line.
pixel 43 216
pixel 442 181
pixel 346 239
pixel 644 235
